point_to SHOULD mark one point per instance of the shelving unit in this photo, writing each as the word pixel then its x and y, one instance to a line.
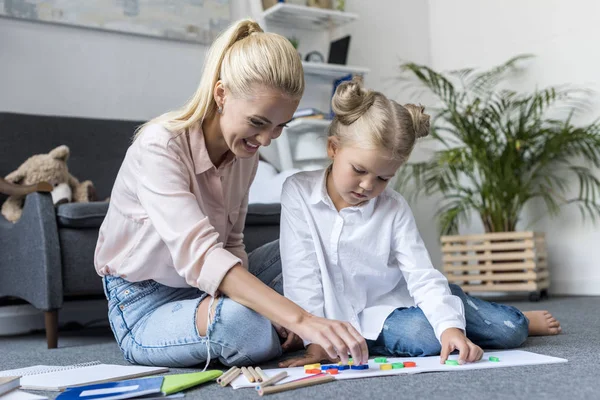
pixel 302 17
pixel 301 125
pixel 288 140
pixel 333 71
pixel 287 17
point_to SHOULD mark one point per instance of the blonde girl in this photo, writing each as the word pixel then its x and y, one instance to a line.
pixel 351 250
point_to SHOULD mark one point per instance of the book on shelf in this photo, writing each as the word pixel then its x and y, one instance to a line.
pixel 337 83
pixel 320 116
pixel 307 112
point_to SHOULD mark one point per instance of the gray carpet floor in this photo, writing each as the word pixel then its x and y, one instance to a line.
pixel 577 379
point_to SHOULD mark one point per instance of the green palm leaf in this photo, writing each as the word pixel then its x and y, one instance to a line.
pixel 500 149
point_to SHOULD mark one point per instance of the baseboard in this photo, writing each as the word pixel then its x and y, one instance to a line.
pixel 21 319
pixel 575 287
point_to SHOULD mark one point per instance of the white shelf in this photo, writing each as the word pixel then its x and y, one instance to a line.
pixel 301 125
pixel 331 70
pixel 303 17
pixel 289 139
pixel 323 21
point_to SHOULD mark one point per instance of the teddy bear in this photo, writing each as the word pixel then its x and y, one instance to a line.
pixel 51 168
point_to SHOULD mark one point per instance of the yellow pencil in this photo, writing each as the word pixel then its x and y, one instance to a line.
pixel 256 375
pixel 248 375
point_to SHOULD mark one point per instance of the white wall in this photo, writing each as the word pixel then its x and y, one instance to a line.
pixel 473 33
pixel 65 70
pixel 387 33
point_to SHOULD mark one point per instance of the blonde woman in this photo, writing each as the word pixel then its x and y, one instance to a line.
pixel 351 251
pixel 181 289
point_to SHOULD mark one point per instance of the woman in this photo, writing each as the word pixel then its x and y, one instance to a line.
pixel 180 287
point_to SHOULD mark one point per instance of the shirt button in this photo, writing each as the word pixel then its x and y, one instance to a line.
pixel 122 307
pixel 127 291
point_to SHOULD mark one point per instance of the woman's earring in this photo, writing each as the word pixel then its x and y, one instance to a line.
pixel 220 110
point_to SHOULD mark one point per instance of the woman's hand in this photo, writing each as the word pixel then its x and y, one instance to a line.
pixel 314 354
pixel 336 338
pixel 455 339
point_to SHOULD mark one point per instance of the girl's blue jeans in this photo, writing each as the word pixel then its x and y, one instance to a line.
pixel 407 333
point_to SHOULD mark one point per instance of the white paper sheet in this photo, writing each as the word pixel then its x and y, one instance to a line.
pixel 508 358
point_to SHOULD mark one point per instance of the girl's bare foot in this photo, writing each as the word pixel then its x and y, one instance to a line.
pixel 542 323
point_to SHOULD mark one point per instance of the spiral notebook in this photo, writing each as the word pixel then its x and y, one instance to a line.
pixel 58 378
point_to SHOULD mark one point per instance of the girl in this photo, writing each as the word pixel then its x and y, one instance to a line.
pixel 351 250
pixel 180 288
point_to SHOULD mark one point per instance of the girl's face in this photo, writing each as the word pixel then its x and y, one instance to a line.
pixel 250 122
pixel 358 174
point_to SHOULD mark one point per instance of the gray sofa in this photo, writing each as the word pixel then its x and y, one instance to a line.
pixel 47 256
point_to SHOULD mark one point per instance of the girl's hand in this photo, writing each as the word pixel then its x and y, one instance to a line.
pixel 455 339
pixel 289 340
pixel 314 354
pixel 337 338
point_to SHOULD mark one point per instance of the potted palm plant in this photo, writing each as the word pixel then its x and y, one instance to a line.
pixel 497 150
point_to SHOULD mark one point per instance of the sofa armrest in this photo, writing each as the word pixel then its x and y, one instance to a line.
pixel 30 263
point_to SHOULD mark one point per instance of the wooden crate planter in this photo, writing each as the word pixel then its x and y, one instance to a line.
pixel 497 262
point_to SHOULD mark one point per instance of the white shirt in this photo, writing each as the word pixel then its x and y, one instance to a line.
pixel 359 264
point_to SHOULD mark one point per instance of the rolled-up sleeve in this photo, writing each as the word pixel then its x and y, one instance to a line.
pixel 163 190
pixel 428 286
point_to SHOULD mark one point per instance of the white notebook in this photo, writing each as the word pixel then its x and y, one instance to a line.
pixel 58 378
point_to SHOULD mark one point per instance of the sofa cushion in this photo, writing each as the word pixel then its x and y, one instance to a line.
pixel 91 215
pixel 81 215
pixel 263 214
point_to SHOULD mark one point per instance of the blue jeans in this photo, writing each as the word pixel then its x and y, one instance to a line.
pixel 155 324
pixel 407 332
